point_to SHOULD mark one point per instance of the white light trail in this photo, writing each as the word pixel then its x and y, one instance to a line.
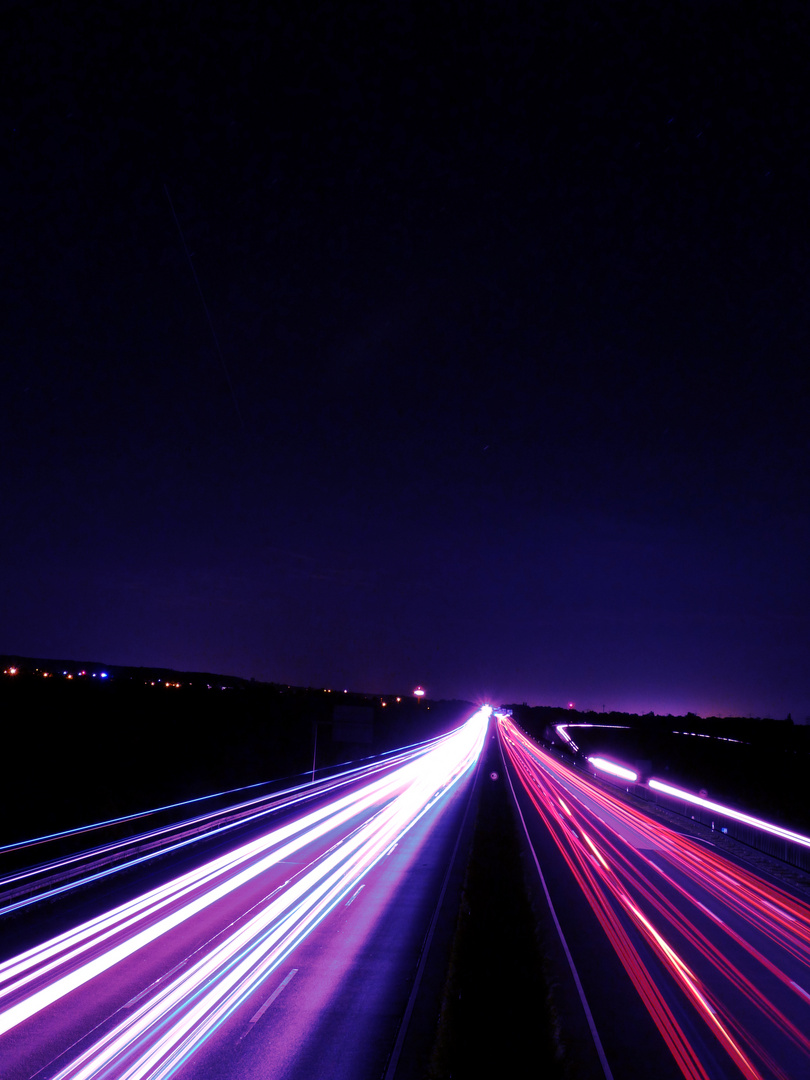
pixel 159 1035
pixel 726 811
pixel 615 770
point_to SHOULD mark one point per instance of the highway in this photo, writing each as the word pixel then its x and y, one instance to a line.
pixel 302 942
pixel 680 962
pixel 288 934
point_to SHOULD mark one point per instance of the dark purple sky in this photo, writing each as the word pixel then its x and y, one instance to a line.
pixel 513 304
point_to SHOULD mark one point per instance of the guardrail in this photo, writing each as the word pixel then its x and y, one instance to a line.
pixel 778 841
pixel 774 840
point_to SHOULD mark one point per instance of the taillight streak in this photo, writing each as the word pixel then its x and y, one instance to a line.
pixel 599 856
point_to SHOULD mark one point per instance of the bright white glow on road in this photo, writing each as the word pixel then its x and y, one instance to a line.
pixel 726 811
pixel 356 830
pixel 615 770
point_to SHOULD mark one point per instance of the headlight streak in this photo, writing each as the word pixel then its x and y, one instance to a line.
pixel 62 951
pixel 155 1039
pixel 726 811
pixel 205 826
pixel 175 889
pixel 615 883
pixel 80 830
pixel 604 765
pixel 68 947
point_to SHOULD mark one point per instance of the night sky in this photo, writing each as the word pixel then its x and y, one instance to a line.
pixel 366 345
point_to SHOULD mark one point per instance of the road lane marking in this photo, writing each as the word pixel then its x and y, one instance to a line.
pixel 709 912
pixel 258 1015
pixel 354 896
pixel 157 982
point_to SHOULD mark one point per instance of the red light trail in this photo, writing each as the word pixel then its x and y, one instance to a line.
pixel 678 914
